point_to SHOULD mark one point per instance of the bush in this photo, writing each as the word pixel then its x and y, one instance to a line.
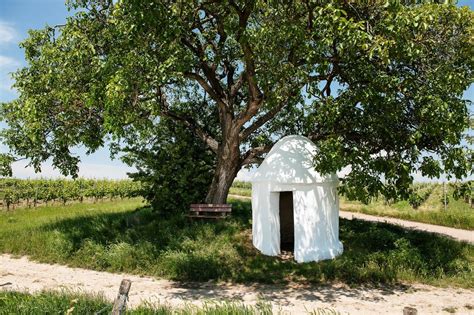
pixel 175 170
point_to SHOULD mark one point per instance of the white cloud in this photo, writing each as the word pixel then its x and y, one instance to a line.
pixel 7 66
pixel 7 33
pixel 7 63
pixel 86 170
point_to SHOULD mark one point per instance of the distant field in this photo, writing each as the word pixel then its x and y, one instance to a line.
pixel 459 214
pixel 32 193
pixel 241 191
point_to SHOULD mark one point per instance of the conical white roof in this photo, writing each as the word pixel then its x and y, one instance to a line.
pixel 290 161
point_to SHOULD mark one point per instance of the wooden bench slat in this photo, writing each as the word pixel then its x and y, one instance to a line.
pixel 210 210
pixel 206 216
pixel 205 205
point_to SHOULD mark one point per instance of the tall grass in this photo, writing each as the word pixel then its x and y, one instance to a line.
pixel 50 302
pixel 122 237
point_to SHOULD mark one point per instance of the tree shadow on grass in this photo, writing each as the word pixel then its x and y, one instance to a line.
pixel 184 250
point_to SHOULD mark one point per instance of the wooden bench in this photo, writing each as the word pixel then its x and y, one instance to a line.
pixel 209 211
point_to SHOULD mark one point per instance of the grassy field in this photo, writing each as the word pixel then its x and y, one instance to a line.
pixel 127 237
pixel 458 213
pixel 241 191
pixel 241 188
pixel 62 302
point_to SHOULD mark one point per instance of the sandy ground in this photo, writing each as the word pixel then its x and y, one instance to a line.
pixel 458 234
pixel 25 275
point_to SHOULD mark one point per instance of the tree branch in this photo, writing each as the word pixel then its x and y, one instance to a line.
pixel 237 85
pixel 188 122
pixel 253 155
pixel 203 83
pixel 261 121
pixel 209 71
pixel 256 96
pixel 268 115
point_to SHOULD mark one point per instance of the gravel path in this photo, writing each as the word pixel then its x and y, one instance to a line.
pixel 30 276
pixel 458 234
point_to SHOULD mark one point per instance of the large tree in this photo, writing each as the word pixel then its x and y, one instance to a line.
pixel 377 85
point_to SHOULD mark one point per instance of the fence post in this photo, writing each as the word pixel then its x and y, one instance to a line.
pixel 444 192
pixel 120 303
pixel 409 311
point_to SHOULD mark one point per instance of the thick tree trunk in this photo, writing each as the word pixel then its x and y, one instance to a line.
pixel 228 164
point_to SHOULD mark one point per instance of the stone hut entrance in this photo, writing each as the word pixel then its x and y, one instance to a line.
pixel 287 225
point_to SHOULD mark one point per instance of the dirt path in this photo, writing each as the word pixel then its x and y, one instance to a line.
pixel 458 234
pixel 29 276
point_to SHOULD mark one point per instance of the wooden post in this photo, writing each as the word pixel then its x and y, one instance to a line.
pixel 409 311
pixel 120 303
pixel 444 192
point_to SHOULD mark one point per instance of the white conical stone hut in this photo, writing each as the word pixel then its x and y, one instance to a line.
pixel 293 206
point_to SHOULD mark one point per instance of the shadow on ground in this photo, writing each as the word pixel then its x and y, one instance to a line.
pixel 176 248
pixel 285 295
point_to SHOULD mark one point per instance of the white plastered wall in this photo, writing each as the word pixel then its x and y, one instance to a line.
pixel 316 219
pixel 289 166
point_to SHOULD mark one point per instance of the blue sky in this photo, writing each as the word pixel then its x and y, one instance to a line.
pixel 16 18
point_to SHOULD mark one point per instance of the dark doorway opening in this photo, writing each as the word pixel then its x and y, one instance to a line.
pixel 287 226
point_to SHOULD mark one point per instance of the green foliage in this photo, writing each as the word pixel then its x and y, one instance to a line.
pixel 420 194
pixel 31 192
pixel 465 191
pixel 174 170
pixel 393 106
pixel 241 74
pixel 120 237
pixel 5 164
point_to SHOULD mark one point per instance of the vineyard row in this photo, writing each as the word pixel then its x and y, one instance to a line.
pixel 32 192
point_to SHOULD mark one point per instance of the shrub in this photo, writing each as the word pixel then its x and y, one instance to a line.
pixel 175 170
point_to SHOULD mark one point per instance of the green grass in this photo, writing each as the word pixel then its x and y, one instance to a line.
pixel 458 214
pixel 240 191
pixel 124 237
pixel 49 302
pixel 242 184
